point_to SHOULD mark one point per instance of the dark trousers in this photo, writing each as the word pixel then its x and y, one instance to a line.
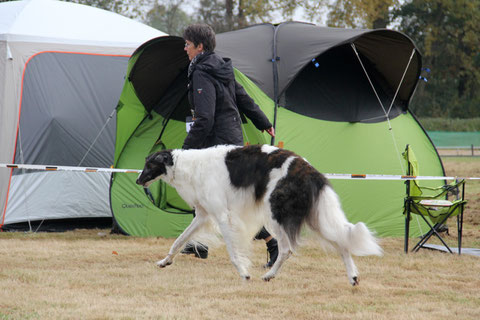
pixel 262 234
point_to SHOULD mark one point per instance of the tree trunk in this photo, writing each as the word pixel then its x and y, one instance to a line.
pixel 380 23
pixel 229 14
pixel 241 16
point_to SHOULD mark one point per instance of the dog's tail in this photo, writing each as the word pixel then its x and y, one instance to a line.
pixel 328 219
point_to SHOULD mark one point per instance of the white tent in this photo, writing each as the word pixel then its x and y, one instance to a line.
pixel 62 68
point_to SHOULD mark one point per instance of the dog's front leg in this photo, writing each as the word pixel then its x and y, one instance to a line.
pixel 186 235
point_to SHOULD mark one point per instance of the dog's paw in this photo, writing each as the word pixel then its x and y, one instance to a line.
pixel 267 277
pixel 165 262
pixel 354 281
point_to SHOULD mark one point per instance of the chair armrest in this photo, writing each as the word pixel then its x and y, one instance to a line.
pixel 436 203
pixel 441 191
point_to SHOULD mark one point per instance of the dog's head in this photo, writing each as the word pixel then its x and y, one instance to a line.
pixel 155 166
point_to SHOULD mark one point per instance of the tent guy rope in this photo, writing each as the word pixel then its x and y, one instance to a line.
pixel 387 113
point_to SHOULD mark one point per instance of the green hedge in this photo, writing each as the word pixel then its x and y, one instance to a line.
pixel 455 125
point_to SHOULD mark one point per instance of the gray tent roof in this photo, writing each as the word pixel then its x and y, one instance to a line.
pixel 336 86
pixel 292 45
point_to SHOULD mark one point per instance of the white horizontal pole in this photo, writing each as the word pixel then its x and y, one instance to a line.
pixel 332 176
pixel 39 167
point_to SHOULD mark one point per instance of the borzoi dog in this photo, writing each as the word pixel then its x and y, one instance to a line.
pixel 242 188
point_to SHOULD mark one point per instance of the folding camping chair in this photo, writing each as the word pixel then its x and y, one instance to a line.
pixel 432 204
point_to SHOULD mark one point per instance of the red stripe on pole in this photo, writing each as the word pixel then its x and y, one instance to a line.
pixel 359 176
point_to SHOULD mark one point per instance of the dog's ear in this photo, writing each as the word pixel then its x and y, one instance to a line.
pixel 164 157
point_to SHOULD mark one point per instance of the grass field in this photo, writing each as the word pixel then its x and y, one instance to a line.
pixel 90 274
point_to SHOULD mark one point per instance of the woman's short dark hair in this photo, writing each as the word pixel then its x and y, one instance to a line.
pixel 201 33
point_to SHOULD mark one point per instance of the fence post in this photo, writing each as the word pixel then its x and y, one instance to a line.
pixel 472 149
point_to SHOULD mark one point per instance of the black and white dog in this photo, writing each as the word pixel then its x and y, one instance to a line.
pixel 240 189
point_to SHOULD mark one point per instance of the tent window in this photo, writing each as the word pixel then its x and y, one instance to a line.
pixel 67 98
pixel 334 87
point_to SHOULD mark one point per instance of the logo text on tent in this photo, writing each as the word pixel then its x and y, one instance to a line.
pixel 132 206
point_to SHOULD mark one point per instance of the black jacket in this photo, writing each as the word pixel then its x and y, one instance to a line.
pixel 216 98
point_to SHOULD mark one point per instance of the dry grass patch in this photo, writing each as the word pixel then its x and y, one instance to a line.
pixel 468 167
pixel 81 275
pixel 76 275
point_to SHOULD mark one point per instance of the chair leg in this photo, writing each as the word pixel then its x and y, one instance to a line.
pixel 423 240
pixel 425 237
pixel 460 231
pixel 407 229
pixel 440 238
pixel 433 231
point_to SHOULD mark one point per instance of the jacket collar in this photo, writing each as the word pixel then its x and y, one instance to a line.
pixel 197 59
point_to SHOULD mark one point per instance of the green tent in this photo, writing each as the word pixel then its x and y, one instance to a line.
pixel 337 97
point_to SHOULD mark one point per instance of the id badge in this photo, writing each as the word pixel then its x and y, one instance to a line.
pixel 189 123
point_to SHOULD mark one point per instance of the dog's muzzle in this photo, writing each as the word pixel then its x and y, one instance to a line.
pixel 140 180
pixel 145 178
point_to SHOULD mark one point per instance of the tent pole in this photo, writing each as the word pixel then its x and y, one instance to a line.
pixel 22 160
pixel 401 81
pixel 275 82
pixel 98 136
pixel 272 141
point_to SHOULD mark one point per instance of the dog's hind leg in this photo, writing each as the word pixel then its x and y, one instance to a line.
pixel 352 271
pixel 186 235
pixel 239 260
pixel 283 252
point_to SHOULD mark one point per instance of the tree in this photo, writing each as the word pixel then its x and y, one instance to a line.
pixel 314 10
pixel 227 15
pixel 213 13
pixel 129 8
pixel 447 33
pixel 169 17
pixel 371 14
